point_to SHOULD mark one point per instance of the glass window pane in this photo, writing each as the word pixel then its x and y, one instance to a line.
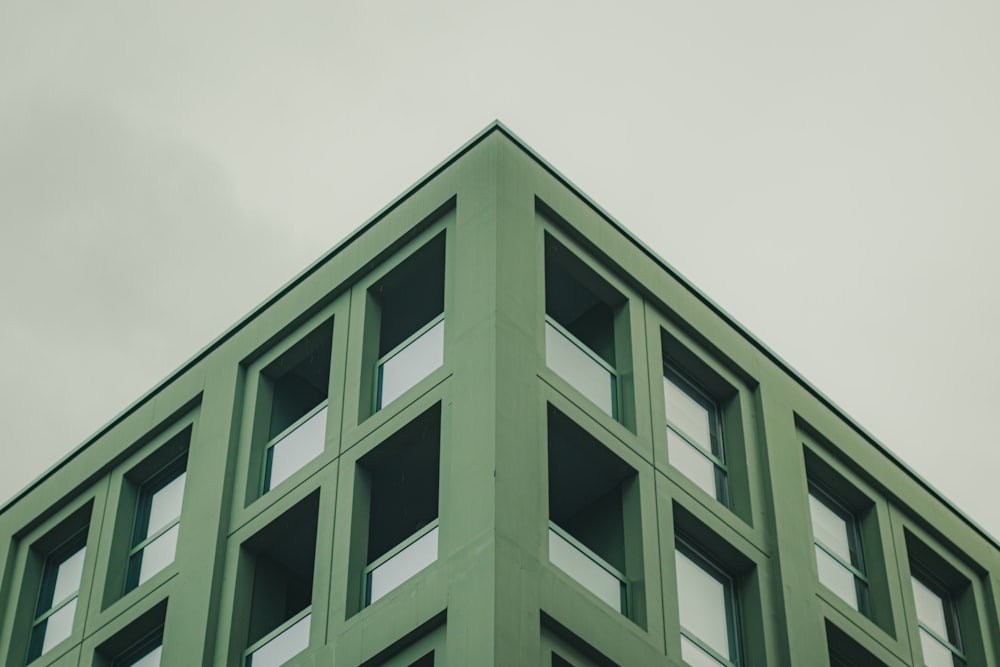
pixel 834 576
pixel 282 648
pixel 689 415
pixel 296 449
pixel 165 506
pixel 151 659
pixel 411 364
pixel 67 577
pixel 930 608
pixel 585 570
pixel 580 370
pixel 58 626
pixel 830 528
pixel 403 565
pixel 936 655
pixel 695 656
pixel 695 467
pixel 157 555
pixel 703 606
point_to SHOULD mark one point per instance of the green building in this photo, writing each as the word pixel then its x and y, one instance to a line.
pixel 490 428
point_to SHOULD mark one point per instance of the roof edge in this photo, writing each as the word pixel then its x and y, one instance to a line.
pixel 750 337
pixel 494 126
pixel 497 126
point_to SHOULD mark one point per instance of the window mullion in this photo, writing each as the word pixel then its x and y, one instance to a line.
pixel 691 637
pixel 410 339
pixel 150 539
pixel 393 552
pixel 56 607
pixel 579 344
pixel 701 450
pixel 295 425
pixel 940 640
pixel 837 557
pixel 276 632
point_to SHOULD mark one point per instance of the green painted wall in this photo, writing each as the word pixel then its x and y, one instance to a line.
pixel 492 597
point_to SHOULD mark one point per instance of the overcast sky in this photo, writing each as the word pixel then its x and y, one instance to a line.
pixel 828 172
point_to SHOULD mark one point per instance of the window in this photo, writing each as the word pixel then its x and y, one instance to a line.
pixel 145 653
pixel 586 329
pixel 426 661
pixel 291 407
pixel 395 524
pixel 846 652
pixel 593 505
pixel 706 598
pixel 948 601
pixel 56 606
pixel 157 524
pixel 137 644
pixel 404 326
pixel 837 541
pixel 416 648
pixel 282 559
pixel 937 617
pixel 562 648
pixel 694 434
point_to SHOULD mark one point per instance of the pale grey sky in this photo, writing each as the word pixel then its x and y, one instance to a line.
pixel 827 172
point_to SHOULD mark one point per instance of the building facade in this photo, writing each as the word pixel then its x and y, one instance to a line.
pixel 490 428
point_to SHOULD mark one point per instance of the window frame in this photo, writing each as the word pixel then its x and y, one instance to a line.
pixel 277 632
pixel 140 649
pixel 616 407
pixel 259 371
pixel 567 423
pixel 265 485
pixel 686 548
pixel 366 574
pixel 582 263
pixel 156 482
pixel 433 244
pixel 422 424
pixel 75 543
pixel 855 544
pixel 694 391
pixel 625 596
pixel 377 404
pixel 949 605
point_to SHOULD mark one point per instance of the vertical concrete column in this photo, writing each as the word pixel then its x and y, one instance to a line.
pixel 804 640
pixel 467 475
pixel 520 441
pixel 192 611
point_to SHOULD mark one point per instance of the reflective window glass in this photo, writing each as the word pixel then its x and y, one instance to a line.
pixel 67 576
pixel 402 565
pixel 694 434
pixel 577 563
pixel 937 616
pixel 691 462
pixel 283 646
pixel 706 600
pixel 834 576
pixel 165 504
pixel 411 364
pixel 580 368
pixel 691 417
pixel 157 554
pixel 151 659
pixel 58 626
pixel 157 524
pixel 295 448
pixel 839 561
pixel 56 607
pixel 145 653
